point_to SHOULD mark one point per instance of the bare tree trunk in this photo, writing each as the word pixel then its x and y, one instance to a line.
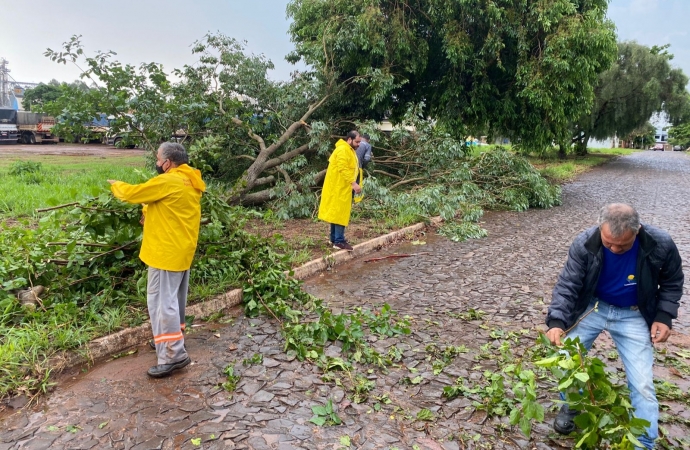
pixel 561 151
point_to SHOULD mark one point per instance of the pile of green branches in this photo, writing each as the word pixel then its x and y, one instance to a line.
pixel 420 171
pixel 84 257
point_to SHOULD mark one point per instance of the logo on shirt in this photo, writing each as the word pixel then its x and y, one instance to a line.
pixel 631 281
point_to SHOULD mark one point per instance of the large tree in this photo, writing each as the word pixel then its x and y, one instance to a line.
pixel 524 69
pixel 36 97
pixel 39 95
pixel 680 135
pixel 240 125
pixel 639 84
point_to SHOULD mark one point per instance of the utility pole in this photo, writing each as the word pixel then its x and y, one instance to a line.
pixel 4 84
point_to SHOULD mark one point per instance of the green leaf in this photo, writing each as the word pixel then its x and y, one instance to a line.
pixel 196 441
pixel 318 420
pixel 634 440
pixel 515 414
pixel 525 426
pixel 319 410
pixel 583 439
pixel 582 376
pixel 546 362
pixel 345 440
pixel 565 384
pixel 425 414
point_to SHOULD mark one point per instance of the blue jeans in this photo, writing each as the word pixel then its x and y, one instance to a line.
pixel 631 335
pixel 337 234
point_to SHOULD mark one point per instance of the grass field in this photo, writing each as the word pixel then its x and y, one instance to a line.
pixel 40 181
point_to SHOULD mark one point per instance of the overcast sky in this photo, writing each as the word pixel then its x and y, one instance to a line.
pixel 163 30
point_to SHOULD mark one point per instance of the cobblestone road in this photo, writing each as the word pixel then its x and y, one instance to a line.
pixel 508 275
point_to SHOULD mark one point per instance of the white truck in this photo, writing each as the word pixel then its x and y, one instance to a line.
pixel 8 126
pixel 35 128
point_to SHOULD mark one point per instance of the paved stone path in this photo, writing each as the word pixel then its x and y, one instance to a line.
pixel 508 275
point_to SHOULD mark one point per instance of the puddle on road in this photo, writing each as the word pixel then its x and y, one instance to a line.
pixel 101 378
pixel 349 276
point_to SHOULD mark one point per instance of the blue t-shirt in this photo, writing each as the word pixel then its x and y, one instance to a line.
pixel 618 279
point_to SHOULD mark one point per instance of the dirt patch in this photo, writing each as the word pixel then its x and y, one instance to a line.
pixel 67 150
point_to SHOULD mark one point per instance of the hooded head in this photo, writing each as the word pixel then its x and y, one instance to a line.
pixel 172 155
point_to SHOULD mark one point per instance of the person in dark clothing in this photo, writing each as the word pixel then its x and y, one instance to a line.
pixel 364 152
pixel 626 278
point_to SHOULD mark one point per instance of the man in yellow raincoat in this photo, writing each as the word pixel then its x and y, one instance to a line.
pixel 172 215
pixel 336 196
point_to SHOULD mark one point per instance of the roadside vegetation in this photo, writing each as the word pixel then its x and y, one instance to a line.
pixel 263 147
pixel 559 170
pixel 62 230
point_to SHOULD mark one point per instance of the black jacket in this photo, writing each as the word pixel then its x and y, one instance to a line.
pixel 659 274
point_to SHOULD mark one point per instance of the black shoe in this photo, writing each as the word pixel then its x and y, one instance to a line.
pixel 564 422
pixel 163 370
pixel 343 246
pixel 152 344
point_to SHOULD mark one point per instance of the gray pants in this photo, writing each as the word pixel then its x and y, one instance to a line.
pixel 166 297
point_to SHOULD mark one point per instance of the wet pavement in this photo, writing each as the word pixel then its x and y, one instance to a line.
pixel 508 275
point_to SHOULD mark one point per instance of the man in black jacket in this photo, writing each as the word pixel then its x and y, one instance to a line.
pixel 625 278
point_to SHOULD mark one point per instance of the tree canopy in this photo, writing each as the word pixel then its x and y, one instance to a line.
pixel 680 135
pixel 241 125
pixel 524 70
pixel 44 93
pixel 639 84
pixel 642 137
pixel 39 95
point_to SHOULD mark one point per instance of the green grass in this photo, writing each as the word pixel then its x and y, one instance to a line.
pixel 62 179
pixel 561 170
pixel 39 181
pixel 612 151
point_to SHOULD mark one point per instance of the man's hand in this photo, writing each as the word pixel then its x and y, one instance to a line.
pixel 356 188
pixel 112 181
pixel 555 335
pixel 660 332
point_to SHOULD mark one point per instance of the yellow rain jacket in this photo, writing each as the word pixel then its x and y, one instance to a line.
pixel 336 196
pixel 173 213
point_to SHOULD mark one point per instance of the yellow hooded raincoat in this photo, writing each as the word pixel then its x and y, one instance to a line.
pixel 173 214
pixel 336 196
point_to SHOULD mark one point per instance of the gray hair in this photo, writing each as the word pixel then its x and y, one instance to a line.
pixel 174 152
pixel 620 217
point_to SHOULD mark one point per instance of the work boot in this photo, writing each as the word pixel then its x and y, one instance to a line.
pixel 163 370
pixel 564 423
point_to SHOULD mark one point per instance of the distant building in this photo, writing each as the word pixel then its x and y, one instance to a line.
pixel 660 136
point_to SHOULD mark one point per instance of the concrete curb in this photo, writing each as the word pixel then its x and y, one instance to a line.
pixel 318 265
pixel 131 337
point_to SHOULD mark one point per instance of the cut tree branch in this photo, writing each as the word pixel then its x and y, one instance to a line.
pixel 271 163
pixel 256 137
